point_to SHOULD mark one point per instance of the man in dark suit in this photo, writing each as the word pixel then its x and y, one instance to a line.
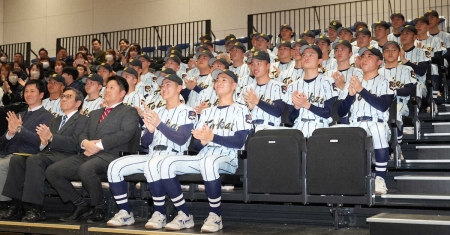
pixel 26 176
pixel 21 136
pixel 97 52
pixel 107 132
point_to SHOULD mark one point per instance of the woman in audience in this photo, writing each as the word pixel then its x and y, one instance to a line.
pixel 3 58
pixel 47 70
pixel 110 59
pixel 83 49
pixel 59 66
pixel 133 53
pixel 12 89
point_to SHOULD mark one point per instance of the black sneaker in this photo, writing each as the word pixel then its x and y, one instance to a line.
pixel 78 213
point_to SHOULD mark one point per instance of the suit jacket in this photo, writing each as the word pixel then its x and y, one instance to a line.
pixel 99 57
pixel 27 141
pixel 119 131
pixel 65 140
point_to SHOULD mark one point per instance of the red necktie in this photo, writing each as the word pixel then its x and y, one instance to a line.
pixel 105 113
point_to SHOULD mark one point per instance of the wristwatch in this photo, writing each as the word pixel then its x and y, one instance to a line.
pixel 51 139
pixel 19 128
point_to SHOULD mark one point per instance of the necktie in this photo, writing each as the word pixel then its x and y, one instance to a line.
pixel 64 119
pixel 105 113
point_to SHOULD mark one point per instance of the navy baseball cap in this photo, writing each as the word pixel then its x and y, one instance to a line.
pixel 231 40
pixel 174 52
pixel 314 47
pixel 165 71
pixel 204 52
pixel 145 56
pixel 322 38
pixel 432 12
pixel 421 18
pixel 397 14
pixel 202 47
pixel 174 48
pixel 208 43
pixel 373 50
pixel 308 33
pixel 229 36
pixel 393 43
pixel 135 62
pixel 130 70
pixel 344 29
pixel 336 24
pixel 59 78
pixel 408 27
pixel 358 23
pixel 249 54
pixel 284 43
pixel 106 66
pixel 345 43
pixel 286 26
pixel 205 37
pixel 174 58
pixel 261 55
pixel 262 35
pixel 171 77
pixel 95 77
pixel 216 72
pixel 238 45
pixel 382 23
pixel 363 30
pixel 221 60
pixel 302 42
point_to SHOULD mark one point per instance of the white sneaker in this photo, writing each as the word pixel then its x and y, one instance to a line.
pixel 122 218
pixel 181 221
pixel 212 224
pixel 157 221
pixel 380 186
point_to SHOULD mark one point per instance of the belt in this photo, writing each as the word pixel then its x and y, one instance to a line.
pixel 310 120
pixel 162 148
pixel 261 121
pixel 368 119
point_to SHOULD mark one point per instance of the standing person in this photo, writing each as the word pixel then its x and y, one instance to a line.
pixel 107 132
pixel 219 133
pixel 97 52
pixel 167 133
pixel 26 176
pixel 21 136
pixel 369 100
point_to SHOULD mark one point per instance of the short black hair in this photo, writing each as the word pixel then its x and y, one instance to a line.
pixel 18 53
pixel 38 83
pixel 125 40
pixel 122 82
pixel 96 39
pixel 84 67
pixel 43 49
pixel 62 48
pixel 79 95
pixel 71 71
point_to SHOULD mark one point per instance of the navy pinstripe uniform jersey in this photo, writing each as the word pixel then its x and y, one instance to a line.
pixel 90 105
pixel 445 38
pixel 291 75
pixel 284 66
pixel 327 65
pixel 209 96
pixel 355 50
pixel 348 73
pixel 102 92
pixel 203 81
pixel 361 108
pixel 416 55
pixel 133 99
pixel 240 71
pixel 144 87
pixel 171 119
pixel 398 77
pixel 430 46
pixel 156 101
pixel 394 37
pixel 243 82
pixel 53 106
pixel 269 93
pixel 193 73
pixel 333 42
pixel 318 90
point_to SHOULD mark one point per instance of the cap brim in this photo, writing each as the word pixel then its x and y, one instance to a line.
pixel 215 73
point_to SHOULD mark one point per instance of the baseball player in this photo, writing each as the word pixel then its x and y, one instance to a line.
pixel 381 30
pixel 310 98
pixel 144 86
pixel 433 18
pixel 241 69
pixel 308 36
pixel 210 46
pixel 265 97
pixel 55 87
pixel 347 34
pixel 363 39
pixel 167 133
pixel 344 72
pixel 155 100
pixel 177 51
pixel 328 63
pixel 203 81
pixel 286 34
pixel 262 44
pixel 93 101
pixel 401 79
pixel 219 133
pixel 332 31
pixel 369 100
pixel 132 98
pixel 398 21
pixel 357 26
pixel 414 57
pixel 294 72
pixel 284 56
pixel 105 71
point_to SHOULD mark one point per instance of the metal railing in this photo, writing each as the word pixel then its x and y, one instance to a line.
pixel 11 49
pixel 319 17
pixel 152 39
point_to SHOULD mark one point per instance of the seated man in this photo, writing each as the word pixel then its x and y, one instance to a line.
pixel 368 101
pixel 155 100
pixel 26 176
pixel 397 21
pixel 220 132
pixel 70 74
pixel 165 136
pixel 296 71
pixel 328 63
pixel 21 136
pixel 310 98
pixel 55 86
pixel 286 34
pixel 239 67
pixel 107 132
pixel 196 84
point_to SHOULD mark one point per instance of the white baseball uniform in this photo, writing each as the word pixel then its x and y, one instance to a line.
pixel 91 105
pixel 53 106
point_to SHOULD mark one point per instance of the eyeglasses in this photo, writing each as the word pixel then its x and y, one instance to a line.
pixel 66 96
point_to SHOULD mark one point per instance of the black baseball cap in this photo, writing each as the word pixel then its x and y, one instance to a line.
pixel 362 30
pixel 238 45
pixel 308 33
pixel 173 48
pixel 205 37
pixel 174 58
pixel 382 23
pixel 432 12
pixel 344 29
pixel 174 52
pixel 336 24
pixel 284 43
pixel 421 18
pixel 254 34
pixel 358 23
pixel 135 62
pixel 59 78
pixel 373 50
pixel 204 52
pixel 202 47
pixel 95 77
pixel 323 38
pixel 145 56
pixel 261 55
pixel 230 40
pixel 408 27
pixel 130 70
pixel 171 77
pixel 165 71
pixel 345 43
pixel 393 43
pixel 221 60
pixel 314 47
pixel 397 14
pixel 216 72
pixel 300 41
pixel 106 66
pixel 262 35
pixel 207 42
pixel 229 36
